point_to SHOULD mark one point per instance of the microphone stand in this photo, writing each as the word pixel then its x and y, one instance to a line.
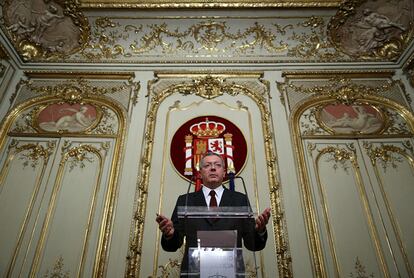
pixel 250 215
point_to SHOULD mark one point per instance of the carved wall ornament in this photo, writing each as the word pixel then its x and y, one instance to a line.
pixel 344 90
pixel 373 29
pixel 338 156
pixel 77 157
pixel 45 30
pixel 72 91
pixel 388 155
pixel 58 270
pixel 360 271
pixel 208 87
pixel 207 38
pixel 31 153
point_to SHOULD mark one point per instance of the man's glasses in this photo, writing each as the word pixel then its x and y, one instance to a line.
pixel 210 165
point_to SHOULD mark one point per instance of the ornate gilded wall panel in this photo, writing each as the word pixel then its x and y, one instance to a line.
pixel 345 221
pixel 75 209
pixel 82 180
pixel 347 105
pixel 25 167
pixel 174 99
pixel 393 170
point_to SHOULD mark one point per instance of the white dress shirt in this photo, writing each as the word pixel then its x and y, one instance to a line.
pixel 219 192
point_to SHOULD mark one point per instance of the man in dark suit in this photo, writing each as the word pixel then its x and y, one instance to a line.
pixel 212 170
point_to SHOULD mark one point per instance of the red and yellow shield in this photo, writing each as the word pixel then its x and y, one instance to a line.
pixel 207 134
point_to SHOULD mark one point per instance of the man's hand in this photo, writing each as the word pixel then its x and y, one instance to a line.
pixel 262 219
pixel 165 225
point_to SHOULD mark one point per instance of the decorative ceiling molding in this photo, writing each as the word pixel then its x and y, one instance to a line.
pixel 3 54
pixel 160 4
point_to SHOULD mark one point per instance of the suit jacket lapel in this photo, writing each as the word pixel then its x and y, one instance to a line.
pixel 225 198
pixel 199 199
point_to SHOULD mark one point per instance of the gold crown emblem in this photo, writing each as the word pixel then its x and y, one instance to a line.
pixel 207 129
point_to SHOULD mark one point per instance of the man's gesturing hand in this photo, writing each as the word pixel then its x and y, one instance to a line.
pixel 165 225
pixel 262 219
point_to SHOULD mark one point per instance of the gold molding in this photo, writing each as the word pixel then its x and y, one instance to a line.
pixel 79 75
pixel 283 258
pixel 3 53
pixel 151 4
pixel 292 75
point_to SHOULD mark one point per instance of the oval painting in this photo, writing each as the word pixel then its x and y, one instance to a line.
pixel 67 117
pixel 351 119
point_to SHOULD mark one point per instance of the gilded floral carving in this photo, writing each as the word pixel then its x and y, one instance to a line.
pixel 388 155
pixel 58 270
pixel 360 271
pixel 73 91
pixel 122 39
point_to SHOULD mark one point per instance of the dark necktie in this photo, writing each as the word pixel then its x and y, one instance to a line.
pixel 213 200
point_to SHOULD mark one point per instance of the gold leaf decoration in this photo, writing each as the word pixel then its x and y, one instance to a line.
pixel 58 270
pixel 360 271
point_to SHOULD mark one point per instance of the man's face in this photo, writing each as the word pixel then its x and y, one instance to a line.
pixel 212 172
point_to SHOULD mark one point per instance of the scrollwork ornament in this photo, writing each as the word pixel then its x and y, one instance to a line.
pixel 339 156
pixel 208 87
pixel 73 91
pixel 82 154
pixel 360 271
pixel 396 124
pixel 309 124
pixel 313 45
pixel 343 89
pixel 106 125
pixel 386 155
pixel 170 269
pixel 24 123
pixel 57 271
pixel 32 153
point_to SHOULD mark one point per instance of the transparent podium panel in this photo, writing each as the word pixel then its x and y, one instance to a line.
pixel 206 262
pixel 215 212
pixel 217 256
